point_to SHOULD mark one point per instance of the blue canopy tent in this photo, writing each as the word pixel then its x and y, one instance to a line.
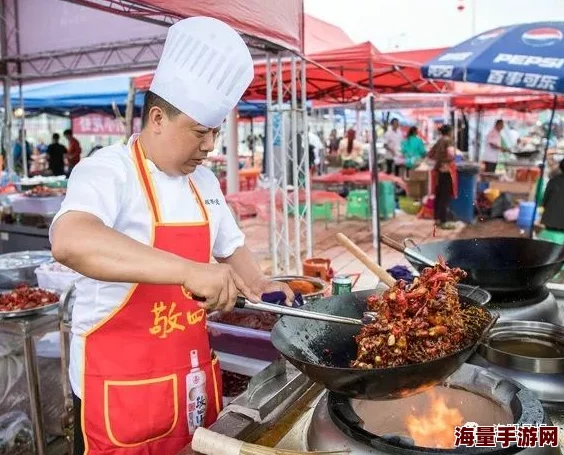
pixel 81 96
pixel 526 56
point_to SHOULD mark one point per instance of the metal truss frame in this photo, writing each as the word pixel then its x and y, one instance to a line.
pixel 288 166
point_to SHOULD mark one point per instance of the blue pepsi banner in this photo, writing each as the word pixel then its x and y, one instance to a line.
pixel 527 56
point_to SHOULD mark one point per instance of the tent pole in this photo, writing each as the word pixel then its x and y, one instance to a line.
pixel 543 165
pixel 375 169
pixel 309 227
pixel 7 128
pixel 129 109
pixel 269 157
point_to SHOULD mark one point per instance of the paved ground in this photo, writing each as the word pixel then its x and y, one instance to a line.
pixel 401 227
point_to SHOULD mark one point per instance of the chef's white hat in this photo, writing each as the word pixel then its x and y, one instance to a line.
pixel 204 70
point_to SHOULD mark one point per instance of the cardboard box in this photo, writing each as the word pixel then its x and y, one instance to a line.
pixel 416 189
pixel 418 176
pixel 513 187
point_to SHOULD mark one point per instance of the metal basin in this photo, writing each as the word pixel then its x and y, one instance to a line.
pixel 532 347
pixel 19 268
pixel 322 288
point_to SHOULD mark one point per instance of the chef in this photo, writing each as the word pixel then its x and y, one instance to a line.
pixel 141 222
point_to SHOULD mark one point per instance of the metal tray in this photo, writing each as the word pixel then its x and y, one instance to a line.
pixel 30 311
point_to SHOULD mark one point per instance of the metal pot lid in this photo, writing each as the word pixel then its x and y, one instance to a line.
pixel 24 259
pixel 533 347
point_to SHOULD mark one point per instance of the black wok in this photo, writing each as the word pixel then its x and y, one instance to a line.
pixel 498 264
pixel 323 351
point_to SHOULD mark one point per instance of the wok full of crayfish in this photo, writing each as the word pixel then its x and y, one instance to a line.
pixel 419 322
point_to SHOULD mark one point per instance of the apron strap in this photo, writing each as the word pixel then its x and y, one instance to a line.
pixel 149 189
pixel 146 181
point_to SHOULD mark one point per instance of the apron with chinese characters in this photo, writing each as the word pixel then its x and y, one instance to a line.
pixel 150 377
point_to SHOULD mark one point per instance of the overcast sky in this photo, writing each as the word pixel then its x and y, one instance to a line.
pixel 418 24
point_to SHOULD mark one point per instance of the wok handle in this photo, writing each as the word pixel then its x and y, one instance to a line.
pixel 363 257
pixel 239 303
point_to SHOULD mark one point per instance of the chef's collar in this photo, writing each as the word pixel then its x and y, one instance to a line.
pixel 152 167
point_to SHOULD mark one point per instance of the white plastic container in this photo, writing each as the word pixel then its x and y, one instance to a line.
pixel 55 280
pixel 39 205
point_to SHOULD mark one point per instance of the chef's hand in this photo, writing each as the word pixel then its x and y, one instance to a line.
pixel 265 286
pixel 219 285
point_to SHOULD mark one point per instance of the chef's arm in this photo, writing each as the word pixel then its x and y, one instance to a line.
pixel 244 264
pixel 85 244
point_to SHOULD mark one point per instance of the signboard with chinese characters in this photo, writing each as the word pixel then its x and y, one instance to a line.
pixel 102 125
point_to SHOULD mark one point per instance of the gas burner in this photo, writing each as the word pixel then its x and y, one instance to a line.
pixel 372 427
pixel 536 305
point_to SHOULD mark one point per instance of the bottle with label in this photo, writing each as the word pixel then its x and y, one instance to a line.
pixel 196 397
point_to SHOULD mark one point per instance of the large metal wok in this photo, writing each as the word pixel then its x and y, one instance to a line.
pixel 323 351
pixel 502 264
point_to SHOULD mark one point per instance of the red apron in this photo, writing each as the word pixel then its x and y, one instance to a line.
pixel 139 361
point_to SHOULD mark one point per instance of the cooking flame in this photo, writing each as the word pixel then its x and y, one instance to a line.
pixel 435 428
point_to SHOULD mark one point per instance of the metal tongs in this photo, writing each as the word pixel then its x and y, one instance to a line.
pixel 367 318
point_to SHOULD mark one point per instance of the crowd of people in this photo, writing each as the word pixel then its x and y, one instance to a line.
pixel 54 159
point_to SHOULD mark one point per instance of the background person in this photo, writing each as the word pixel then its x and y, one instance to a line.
pixel 444 176
pixel 56 155
pixel 392 143
pixel 494 145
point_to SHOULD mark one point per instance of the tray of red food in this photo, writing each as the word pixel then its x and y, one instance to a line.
pixel 26 301
pixel 44 191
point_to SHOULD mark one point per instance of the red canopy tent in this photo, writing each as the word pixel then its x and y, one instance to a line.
pixel 416 56
pixel 347 74
pixel 279 23
pixel 320 36
pixel 470 96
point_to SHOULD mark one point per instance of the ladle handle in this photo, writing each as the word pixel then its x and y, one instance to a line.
pixel 284 310
pixel 394 244
pixel 363 257
pixel 407 251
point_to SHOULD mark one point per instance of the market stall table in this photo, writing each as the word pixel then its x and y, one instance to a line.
pixel 249 203
pixel 362 178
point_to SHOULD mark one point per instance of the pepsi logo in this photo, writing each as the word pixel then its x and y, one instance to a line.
pixel 541 37
pixel 488 36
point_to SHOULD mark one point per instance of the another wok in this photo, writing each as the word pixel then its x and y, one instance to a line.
pixel 323 351
pixel 502 264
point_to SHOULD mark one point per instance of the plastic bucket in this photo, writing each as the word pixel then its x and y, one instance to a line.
pixel 526 215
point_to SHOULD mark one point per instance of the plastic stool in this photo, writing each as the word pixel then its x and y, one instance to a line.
pixel 318 211
pixel 386 200
pixel 552 236
pixel 358 204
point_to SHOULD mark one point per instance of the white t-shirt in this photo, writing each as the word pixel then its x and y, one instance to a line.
pixel 393 140
pixel 106 185
pixel 491 155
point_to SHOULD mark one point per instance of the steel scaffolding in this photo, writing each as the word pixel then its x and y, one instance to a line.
pixel 288 165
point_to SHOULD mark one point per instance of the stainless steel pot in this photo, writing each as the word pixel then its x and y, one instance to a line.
pixel 532 347
pixel 323 288
pixel 531 353
pixel 19 268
